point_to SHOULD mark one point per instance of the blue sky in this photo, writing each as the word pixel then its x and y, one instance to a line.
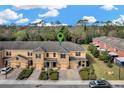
pixel 65 14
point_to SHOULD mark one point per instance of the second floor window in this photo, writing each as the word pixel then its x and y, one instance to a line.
pixel 47 54
pixel 78 53
pixel 54 54
pixel 8 53
pixel 62 55
pixel 38 55
pixel 29 53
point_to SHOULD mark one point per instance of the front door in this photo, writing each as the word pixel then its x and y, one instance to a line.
pixel 79 63
pixel 54 64
pixel 30 63
pixel 46 64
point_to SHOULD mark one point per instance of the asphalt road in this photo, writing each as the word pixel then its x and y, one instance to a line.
pixel 49 86
pixel 42 86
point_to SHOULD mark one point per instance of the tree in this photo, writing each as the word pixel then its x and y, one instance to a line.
pixel 94 51
pixel 20 35
pixel 106 57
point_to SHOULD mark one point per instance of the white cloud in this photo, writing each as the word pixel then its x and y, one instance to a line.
pixel 50 7
pixel 37 20
pixel 119 21
pixel 48 24
pixel 20 15
pixel 91 19
pixel 50 13
pixel 8 14
pixel 21 21
pixel 53 10
pixel 109 7
pixel 2 21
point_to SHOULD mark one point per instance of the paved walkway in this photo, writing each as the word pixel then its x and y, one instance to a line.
pixel 63 75
pixel 70 74
pixel 35 75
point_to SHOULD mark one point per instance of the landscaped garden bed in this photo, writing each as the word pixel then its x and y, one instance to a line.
pixel 43 75
pixel 49 74
pixel 87 74
pixel 25 73
pixel 54 75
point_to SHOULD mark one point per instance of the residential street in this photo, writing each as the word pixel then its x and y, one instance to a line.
pixel 52 84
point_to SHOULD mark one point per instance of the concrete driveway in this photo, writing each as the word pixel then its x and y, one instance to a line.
pixel 70 74
pixel 14 74
pixel 11 75
pixel 35 75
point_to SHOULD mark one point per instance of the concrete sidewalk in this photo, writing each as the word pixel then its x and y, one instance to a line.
pixel 49 82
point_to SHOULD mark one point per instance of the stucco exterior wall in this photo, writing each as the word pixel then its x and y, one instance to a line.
pixel 38 63
pixel 82 54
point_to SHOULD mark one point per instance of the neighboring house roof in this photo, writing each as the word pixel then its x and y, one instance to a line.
pixel 113 41
pixel 120 59
pixel 47 46
pixel 20 58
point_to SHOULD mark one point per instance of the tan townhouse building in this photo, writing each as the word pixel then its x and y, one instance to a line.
pixel 42 54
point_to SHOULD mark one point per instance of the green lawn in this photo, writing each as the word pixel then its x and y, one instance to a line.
pixel 102 70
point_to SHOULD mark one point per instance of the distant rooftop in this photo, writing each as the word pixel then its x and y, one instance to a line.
pixel 116 42
pixel 47 46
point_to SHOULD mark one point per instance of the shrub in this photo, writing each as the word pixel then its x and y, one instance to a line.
pixel 110 65
pixel 54 75
pixel 43 76
pixel 25 73
pixel 84 74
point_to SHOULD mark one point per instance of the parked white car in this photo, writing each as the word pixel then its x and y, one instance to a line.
pixel 5 70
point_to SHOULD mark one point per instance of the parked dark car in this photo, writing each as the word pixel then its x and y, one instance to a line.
pixel 100 84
